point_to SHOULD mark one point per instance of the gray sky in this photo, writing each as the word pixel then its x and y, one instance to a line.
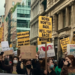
pixel 2 7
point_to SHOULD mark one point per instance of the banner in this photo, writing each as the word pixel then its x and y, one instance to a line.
pixel 64 43
pixel 50 50
pixel 28 52
pixel 71 49
pixel 5 46
pixel 45 27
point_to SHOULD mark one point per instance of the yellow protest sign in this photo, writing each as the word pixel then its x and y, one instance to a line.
pixel 1 33
pixel 23 38
pixel 45 27
pixel 73 39
pixel 20 34
pixel 42 41
pixel 10 45
pixel 64 43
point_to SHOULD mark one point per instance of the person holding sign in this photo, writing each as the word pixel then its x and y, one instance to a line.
pixel 50 66
pixel 29 70
pixel 14 64
pixel 69 66
pixel 1 68
pixel 9 68
pixel 4 67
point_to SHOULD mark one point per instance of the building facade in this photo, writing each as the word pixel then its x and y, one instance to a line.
pixel 19 21
pixel 62 14
pixel 35 11
pixel 8 4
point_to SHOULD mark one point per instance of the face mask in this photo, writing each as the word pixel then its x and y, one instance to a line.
pixel 28 66
pixel 51 66
pixel 15 61
pixel 68 64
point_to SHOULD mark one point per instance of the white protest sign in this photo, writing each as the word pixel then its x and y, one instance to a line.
pixel 50 50
pixel 71 49
pixel 5 46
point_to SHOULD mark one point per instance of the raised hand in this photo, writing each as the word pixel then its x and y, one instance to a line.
pixel 20 57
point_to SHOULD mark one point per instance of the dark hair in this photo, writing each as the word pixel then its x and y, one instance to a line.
pixel 1 53
pixel 13 59
pixel 49 59
pixel 72 58
pixel 43 64
pixel 60 62
pixel 16 57
pixel 25 61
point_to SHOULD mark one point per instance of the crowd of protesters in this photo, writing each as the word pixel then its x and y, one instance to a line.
pixel 15 65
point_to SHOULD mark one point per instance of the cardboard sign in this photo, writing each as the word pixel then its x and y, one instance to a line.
pixel 9 52
pixel 71 49
pixel 5 46
pixel 28 52
pixel 50 50
pixel 45 27
pixel 64 43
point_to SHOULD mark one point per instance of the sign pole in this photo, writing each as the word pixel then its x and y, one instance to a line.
pixel 46 55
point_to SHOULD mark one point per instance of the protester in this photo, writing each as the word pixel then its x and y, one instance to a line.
pixel 50 66
pixel 29 70
pixel 1 68
pixel 60 65
pixel 15 61
pixel 69 66
pixel 9 68
pixel 10 60
pixel 6 60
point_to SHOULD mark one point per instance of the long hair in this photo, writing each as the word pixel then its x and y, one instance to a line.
pixel 72 58
pixel 60 62
pixel 65 68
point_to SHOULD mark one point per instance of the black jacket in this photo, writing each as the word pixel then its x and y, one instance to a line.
pixel 34 71
pixel 52 73
pixel 8 68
